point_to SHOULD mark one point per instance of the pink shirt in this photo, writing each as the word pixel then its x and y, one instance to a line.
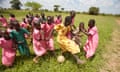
pixel 58 21
pixel 3 21
pixel 23 25
pixel 48 29
pixel 12 19
pixel 72 21
pixel 35 19
pixel 8 53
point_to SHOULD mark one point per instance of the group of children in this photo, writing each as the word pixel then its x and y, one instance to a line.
pixel 40 29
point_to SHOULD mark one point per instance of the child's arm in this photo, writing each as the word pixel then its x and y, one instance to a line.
pixel 85 32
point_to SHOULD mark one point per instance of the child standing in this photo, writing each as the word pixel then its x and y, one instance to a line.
pixel 18 36
pixel 8 50
pixel 38 42
pixel 92 41
pixel 58 20
pixel 24 24
pixel 12 18
pixel 3 20
pixel 49 33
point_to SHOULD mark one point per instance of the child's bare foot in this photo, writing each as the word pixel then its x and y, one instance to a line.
pixel 34 60
pixel 80 62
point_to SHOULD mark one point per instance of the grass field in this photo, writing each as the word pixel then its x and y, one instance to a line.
pixel 48 63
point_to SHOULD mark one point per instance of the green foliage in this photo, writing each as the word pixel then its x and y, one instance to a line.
pixel 93 11
pixel 56 8
pixel 33 5
pixel 48 62
pixel 15 4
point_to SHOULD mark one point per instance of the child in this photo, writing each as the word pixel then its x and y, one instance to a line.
pixel 12 18
pixel 3 20
pixel 38 42
pixel 77 35
pixel 24 24
pixel 72 15
pixel 43 18
pixel 18 36
pixel 58 20
pixel 65 43
pixel 36 18
pixel 8 50
pixel 92 41
pixel 10 28
pixel 49 33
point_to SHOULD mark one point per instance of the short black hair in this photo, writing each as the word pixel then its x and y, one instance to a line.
pixel 1 15
pixel 12 15
pixel 68 20
pixel 91 23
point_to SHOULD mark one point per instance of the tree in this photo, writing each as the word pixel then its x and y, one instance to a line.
pixel 93 11
pixel 56 8
pixel 62 9
pixel 15 4
pixel 33 5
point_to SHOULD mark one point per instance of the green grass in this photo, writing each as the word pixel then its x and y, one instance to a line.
pixel 48 63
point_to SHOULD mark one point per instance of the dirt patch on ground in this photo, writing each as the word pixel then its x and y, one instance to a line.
pixel 112 56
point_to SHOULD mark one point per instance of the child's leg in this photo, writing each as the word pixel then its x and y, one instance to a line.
pixel 50 44
pixel 77 59
pixel 35 59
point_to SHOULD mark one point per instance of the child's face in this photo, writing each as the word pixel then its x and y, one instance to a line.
pixel 90 25
pixel 37 26
pixel 81 26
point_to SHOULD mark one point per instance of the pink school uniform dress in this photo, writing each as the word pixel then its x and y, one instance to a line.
pixel 9 30
pixel 50 42
pixel 58 21
pixel 38 45
pixel 12 19
pixel 4 22
pixel 92 42
pixel 8 53
pixel 35 19
pixel 24 25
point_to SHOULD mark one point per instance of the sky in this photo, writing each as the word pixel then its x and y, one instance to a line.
pixel 105 6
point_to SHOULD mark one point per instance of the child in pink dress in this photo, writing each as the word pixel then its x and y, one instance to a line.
pixel 48 34
pixel 58 20
pixel 92 41
pixel 38 42
pixel 24 24
pixel 12 18
pixel 8 50
pixel 3 20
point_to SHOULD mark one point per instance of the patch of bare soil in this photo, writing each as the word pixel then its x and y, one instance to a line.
pixel 112 56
